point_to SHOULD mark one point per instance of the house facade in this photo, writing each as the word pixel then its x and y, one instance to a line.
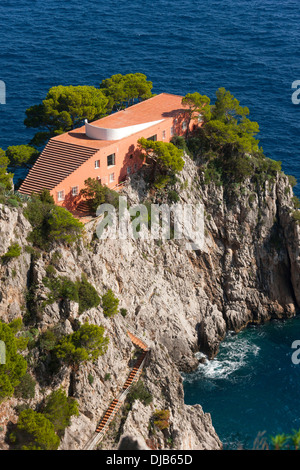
pixel 106 149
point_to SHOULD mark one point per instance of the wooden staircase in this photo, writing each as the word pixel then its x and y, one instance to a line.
pixel 83 209
pixel 113 408
pixel 134 374
pixel 137 341
pixel 117 402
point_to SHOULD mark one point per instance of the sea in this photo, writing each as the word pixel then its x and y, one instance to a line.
pixel 250 47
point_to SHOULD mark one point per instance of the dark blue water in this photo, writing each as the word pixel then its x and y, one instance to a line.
pixel 248 46
pixel 252 386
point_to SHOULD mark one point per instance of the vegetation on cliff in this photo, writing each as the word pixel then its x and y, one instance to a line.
pixel 15 365
pixel 227 153
pixel 226 145
pixel 51 223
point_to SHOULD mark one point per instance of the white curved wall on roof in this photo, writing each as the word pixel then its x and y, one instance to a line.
pixel 103 133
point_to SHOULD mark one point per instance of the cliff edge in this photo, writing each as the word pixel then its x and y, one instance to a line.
pixel 178 301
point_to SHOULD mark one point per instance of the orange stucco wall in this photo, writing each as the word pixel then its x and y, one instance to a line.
pixel 126 155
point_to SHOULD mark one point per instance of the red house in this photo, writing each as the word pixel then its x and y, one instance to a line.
pixel 105 149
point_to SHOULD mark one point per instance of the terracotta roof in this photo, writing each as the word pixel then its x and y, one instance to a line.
pixel 158 107
pixel 66 152
pixel 155 108
pixel 55 163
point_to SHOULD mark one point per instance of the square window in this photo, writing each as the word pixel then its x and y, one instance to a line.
pixel 111 177
pixel 97 164
pixel 111 159
pixel 75 191
pixel 61 195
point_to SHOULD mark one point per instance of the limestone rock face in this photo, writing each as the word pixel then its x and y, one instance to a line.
pixel 178 301
pixel 14 227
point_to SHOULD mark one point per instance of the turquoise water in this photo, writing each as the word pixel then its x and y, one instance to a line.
pixel 252 386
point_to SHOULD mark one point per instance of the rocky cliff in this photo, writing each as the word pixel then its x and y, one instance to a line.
pixel 178 301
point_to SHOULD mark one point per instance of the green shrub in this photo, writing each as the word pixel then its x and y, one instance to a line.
pixel 181 143
pixel 252 198
pixel 87 295
pixel 161 181
pixel 110 303
pixel 16 325
pixel 51 223
pixel 292 180
pixel 211 174
pixel 13 202
pixel 14 250
pixel 34 432
pixel 161 419
pixel 296 216
pixel 96 194
pixel 48 340
pixel 123 312
pixel 15 365
pixel 173 196
pixel 296 202
pixel 61 288
pixel 29 337
pixel 50 270
pixel 87 343
pixel 62 226
pixel 139 392
pixel 90 379
pixel 26 387
pixel 59 409
pixel 80 291
pixel 33 252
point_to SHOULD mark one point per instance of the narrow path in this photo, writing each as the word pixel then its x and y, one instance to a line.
pixel 115 405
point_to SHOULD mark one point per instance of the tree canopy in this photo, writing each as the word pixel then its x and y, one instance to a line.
pixel 198 107
pixel 20 154
pixel 110 303
pixel 59 408
pixel 5 178
pixel 125 90
pixel 51 223
pixel 34 432
pixel 166 159
pixel 63 109
pixel 94 193
pixel 85 344
pixel 229 125
pixel 227 142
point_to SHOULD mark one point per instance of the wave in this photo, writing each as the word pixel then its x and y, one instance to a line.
pixel 236 354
